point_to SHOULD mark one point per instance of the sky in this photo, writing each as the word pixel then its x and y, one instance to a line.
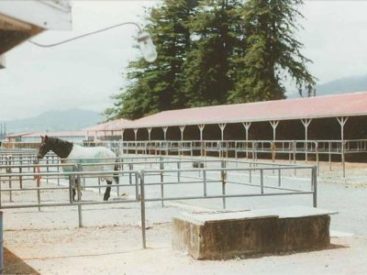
pixel 86 73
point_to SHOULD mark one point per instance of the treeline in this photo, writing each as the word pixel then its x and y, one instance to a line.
pixel 214 52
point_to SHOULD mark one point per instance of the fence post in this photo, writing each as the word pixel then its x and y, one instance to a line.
pixel 136 187
pixel 161 168
pixel 262 181
pixel 38 181
pixel 314 185
pixel 130 176
pixel 79 194
pixel 99 185
pixel 279 177
pixel 250 173
pixel 223 178
pixel 0 194
pixel 179 170
pixel 117 183
pixel 1 244
pixel 47 168
pixel 142 208
pixel 8 171
pixel 20 172
pixel 58 171
pixel 204 181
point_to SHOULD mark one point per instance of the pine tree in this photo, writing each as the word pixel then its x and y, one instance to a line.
pixel 272 52
pixel 156 87
pixel 216 29
pixel 216 52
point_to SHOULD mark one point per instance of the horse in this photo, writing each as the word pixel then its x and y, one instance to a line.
pixel 74 154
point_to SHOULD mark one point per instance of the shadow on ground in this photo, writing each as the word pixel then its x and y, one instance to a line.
pixel 15 265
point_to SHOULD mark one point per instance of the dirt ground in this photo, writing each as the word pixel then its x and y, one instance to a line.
pixel 50 242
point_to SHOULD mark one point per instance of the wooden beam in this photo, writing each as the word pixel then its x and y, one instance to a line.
pixel 10 24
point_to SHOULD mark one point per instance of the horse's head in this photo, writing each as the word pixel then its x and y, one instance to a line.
pixel 44 148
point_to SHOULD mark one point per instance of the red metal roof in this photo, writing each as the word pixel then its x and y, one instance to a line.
pixel 15 135
pixel 57 134
pixel 352 104
pixel 113 125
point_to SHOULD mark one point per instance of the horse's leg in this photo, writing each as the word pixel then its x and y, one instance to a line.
pixel 78 189
pixel 72 188
pixel 108 190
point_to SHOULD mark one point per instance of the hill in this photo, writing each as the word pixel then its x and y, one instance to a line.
pixel 73 119
pixel 343 85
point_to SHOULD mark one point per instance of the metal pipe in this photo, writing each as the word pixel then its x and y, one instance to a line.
pixel 78 181
pixel 204 183
pixel 314 183
pixel 223 180
pixel 142 209
pixel 262 182
pixel 279 178
pixel 161 168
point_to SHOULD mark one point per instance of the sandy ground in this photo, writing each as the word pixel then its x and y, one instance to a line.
pixel 50 242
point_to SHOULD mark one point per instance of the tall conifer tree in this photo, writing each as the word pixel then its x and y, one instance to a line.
pixel 216 29
pixel 156 87
pixel 216 52
pixel 272 52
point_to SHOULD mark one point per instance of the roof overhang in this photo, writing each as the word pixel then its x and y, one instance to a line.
pixel 50 14
pixel 321 107
pixel 20 20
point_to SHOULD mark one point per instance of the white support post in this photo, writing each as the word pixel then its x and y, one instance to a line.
pixel 136 134
pixel 180 147
pixel 274 125
pixel 122 135
pixel 149 133
pixel 222 126
pixel 201 128
pixel 165 138
pixel 136 138
pixel 165 132
pixel 306 123
pixel 122 141
pixel 182 129
pixel 247 126
pixel 342 121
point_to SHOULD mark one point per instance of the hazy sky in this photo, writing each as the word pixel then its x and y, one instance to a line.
pixel 85 73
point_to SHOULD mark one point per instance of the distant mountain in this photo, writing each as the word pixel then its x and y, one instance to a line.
pixel 343 85
pixel 73 119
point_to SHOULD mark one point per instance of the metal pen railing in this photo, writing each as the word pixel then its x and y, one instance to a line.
pixel 147 172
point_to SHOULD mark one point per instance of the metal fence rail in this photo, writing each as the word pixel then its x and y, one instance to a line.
pixel 212 179
pixel 251 149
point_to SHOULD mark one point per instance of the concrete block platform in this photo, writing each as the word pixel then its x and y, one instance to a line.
pixel 250 233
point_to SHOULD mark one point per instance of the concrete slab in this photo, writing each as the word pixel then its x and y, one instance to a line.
pixel 249 233
pixel 279 212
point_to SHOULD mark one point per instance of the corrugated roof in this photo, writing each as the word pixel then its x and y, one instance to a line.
pixel 21 134
pixel 57 134
pixel 112 125
pixel 352 104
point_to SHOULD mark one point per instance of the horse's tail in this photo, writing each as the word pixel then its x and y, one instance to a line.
pixel 116 177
